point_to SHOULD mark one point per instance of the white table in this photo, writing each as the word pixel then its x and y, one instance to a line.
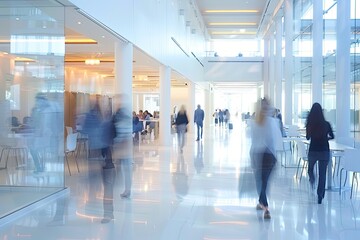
pixel 334 147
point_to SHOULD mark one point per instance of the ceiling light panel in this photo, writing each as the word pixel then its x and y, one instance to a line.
pixel 232 33
pixel 232 11
pixel 232 24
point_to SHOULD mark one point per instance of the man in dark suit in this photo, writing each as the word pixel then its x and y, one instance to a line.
pixel 199 119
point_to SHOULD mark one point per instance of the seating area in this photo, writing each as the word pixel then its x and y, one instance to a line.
pixel 341 150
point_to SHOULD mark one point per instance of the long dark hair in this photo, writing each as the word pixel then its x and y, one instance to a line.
pixel 315 121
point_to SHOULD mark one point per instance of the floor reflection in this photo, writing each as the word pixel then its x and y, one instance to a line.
pixel 208 192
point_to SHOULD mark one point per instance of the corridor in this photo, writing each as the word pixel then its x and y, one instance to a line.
pixel 208 192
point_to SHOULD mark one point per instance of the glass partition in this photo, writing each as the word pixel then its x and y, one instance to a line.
pixel 355 70
pixel 32 48
pixel 302 51
pixel 329 63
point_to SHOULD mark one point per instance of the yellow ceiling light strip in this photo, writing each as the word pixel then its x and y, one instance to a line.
pixel 232 24
pixel 67 41
pixel 80 41
pixel 231 11
pixel 233 33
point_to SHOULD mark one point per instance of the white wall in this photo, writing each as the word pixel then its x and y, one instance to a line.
pixel 179 96
pixel 150 25
pixel 233 69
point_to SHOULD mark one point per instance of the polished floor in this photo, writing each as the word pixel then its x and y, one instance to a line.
pixel 208 192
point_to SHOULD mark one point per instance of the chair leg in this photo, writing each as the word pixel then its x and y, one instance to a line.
pixel 357 183
pixel 302 170
pixel 7 157
pixel 297 170
pixel 77 165
pixel 352 185
pixel 67 161
pixel 340 181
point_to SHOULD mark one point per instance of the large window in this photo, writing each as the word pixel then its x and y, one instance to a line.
pixel 302 52
pixel 355 70
pixel 329 63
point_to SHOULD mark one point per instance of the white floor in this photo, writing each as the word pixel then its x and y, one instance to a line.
pixel 207 192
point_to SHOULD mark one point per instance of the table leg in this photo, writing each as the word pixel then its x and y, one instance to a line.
pixel 329 173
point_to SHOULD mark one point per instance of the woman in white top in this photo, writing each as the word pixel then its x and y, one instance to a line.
pixel 265 133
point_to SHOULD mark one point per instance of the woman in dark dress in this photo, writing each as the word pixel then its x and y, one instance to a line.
pixel 318 131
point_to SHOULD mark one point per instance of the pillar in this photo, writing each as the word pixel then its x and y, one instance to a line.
pixel 343 70
pixel 289 61
pixel 165 108
pixel 278 63
pixel 317 59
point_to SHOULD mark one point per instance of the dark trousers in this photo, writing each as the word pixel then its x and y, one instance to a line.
pixel 199 129
pixel 106 153
pixel 323 160
pixel 262 175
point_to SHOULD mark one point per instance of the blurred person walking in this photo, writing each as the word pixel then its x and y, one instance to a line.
pixel 199 120
pixel 216 117
pixel 265 133
pixel 108 177
pixel 93 125
pixel 319 132
pixel 107 136
pixel 181 123
pixel 123 143
pixel 47 127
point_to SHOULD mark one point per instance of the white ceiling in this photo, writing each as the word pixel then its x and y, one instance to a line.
pixel 143 64
pixel 236 25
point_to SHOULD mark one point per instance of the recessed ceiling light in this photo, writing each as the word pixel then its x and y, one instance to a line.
pixel 232 11
pixel 92 61
pixel 232 24
pixel 103 36
pixel 79 22
pixel 17 19
pixel 232 33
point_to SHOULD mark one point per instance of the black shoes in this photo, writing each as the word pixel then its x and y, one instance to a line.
pixel 320 200
pixel 267 214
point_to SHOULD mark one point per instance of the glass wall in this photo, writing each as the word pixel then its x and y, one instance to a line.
pixel 302 46
pixel 32 48
pixel 329 63
pixel 302 52
pixel 355 70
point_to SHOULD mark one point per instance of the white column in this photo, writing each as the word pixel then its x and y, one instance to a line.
pixel 289 61
pixel 124 70
pixel 343 70
pixel 123 91
pixel 208 108
pixel 266 67
pixel 317 60
pixel 6 69
pixel 165 109
pixel 190 106
pixel 278 63
pixel 271 69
